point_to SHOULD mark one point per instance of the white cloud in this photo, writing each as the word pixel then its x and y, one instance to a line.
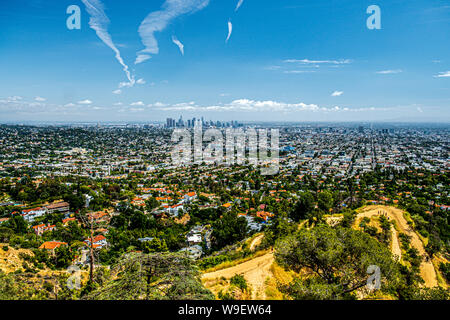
pixel 239 105
pixel 337 93
pixel 179 44
pixel 85 102
pixel 131 83
pixel 40 99
pixel 14 98
pixel 127 84
pixel 389 71
pixel 298 71
pixel 445 74
pixel 99 23
pixel 36 104
pixel 118 91
pixel 239 4
pixel 248 105
pixel 157 104
pixel 186 105
pixel 272 68
pixel 307 61
pixel 158 21
pixel 244 105
pixel 141 58
pixel 230 30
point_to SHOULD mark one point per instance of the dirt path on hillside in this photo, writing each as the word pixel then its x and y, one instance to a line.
pixel 395 245
pixel 255 271
pixel 256 242
pixel 427 271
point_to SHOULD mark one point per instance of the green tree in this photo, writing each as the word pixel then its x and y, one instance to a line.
pixel 338 259
pixel 304 207
pixel 151 203
pixel 18 224
pixel 158 276
pixel 239 281
pixel 155 245
pixel 229 229
pixel 325 201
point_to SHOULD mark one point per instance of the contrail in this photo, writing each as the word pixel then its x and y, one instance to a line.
pixel 239 4
pixel 179 44
pixel 99 23
pixel 230 30
pixel 158 21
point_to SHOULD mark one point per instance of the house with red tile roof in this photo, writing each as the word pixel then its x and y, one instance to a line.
pixel 61 207
pixel 3 220
pixel 227 205
pixel 67 221
pixel 31 214
pixel 52 245
pixel 164 199
pixel 99 216
pixel 41 228
pixel 190 196
pixel 98 241
pixel 138 201
pixel 264 215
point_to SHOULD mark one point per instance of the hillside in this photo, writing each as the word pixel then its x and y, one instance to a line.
pixel 258 271
pixel 427 270
pixel 255 271
pixel 46 283
pixel 10 260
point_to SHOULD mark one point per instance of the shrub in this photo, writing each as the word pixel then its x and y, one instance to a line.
pixel 239 281
pixel 445 269
pixel 213 261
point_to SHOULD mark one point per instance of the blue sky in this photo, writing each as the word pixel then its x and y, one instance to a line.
pixel 286 60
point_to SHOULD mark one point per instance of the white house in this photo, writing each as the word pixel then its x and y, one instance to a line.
pixel 194 239
pixel 98 241
pixel 194 252
pixel 189 197
pixel 31 214
pixel 174 210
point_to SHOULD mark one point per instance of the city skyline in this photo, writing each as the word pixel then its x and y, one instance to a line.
pixel 307 61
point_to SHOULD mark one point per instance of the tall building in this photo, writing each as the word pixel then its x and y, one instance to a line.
pixel 197 123
pixel 170 123
pixel 180 122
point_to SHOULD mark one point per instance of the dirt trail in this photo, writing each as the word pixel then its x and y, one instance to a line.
pixel 255 271
pixel 427 271
pixel 395 245
pixel 256 242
